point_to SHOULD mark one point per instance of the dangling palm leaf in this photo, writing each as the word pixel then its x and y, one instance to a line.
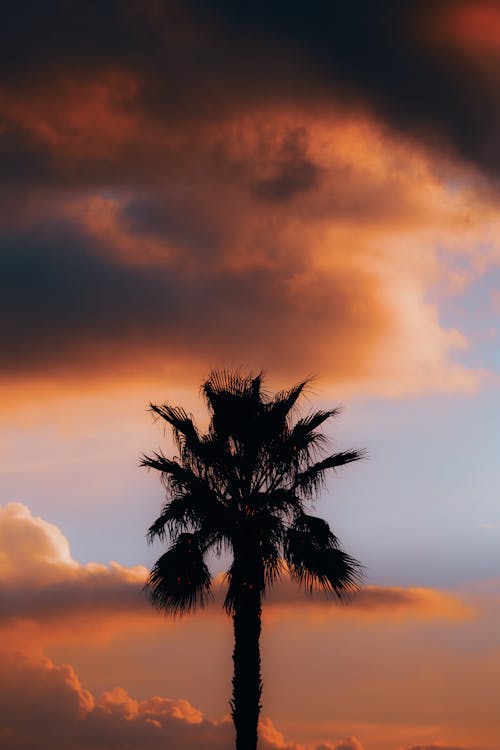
pixel 180 580
pixel 315 559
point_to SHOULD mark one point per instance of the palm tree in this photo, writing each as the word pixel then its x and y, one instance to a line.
pixel 244 487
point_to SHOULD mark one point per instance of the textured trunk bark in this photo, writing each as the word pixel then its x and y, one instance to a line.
pixel 247 684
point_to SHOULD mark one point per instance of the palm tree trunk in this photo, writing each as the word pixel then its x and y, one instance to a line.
pixel 247 683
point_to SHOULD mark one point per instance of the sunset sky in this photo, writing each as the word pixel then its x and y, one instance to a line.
pixel 311 189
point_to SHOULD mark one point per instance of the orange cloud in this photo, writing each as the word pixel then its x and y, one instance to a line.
pixel 374 668
pixel 176 213
pixel 275 233
pixel 77 119
pixel 63 713
pixel 41 582
pixel 371 601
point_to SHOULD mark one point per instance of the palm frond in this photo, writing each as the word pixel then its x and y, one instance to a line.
pixel 310 480
pixel 222 383
pixel 180 580
pixel 312 421
pixel 166 466
pixel 272 425
pixel 332 571
pixel 177 515
pixel 235 402
pixel 316 561
pixel 182 423
pixel 285 400
pixel 315 529
pixel 303 441
pixel 199 510
pixel 176 474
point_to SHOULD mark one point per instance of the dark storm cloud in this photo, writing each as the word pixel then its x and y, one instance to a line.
pixel 171 189
pixel 66 303
pixel 57 297
pixel 385 55
pixel 63 302
pixel 200 59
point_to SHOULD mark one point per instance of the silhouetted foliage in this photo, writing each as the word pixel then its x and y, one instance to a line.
pixel 245 487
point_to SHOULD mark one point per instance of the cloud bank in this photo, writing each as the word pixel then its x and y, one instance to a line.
pixel 54 610
pixel 46 705
pixel 172 201
pixel 41 582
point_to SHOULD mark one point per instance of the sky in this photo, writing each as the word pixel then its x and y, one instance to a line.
pixel 308 189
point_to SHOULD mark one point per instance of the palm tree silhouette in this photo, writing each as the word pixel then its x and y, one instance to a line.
pixel 244 487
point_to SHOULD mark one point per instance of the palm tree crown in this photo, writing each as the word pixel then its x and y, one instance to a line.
pixel 245 487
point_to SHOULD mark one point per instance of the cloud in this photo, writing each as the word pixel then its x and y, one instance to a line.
pixel 45 705
pixel 165 210
pixel 41 582
pixel 414 72
pixel 104 316
pixel 62 713
pixel 91 615
pixel 265 245
pixel 32 549
pixel 424 72
pixel 30 546
pixel 372 601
